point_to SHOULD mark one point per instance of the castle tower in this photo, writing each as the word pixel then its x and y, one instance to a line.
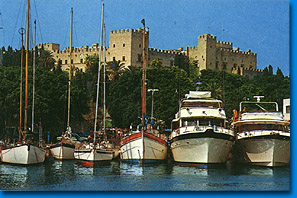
pixel 126 46
pixel 206 51
pixel 219 55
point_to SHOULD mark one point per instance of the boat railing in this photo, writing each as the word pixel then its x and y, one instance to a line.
pixel 216 129
pixel 262 132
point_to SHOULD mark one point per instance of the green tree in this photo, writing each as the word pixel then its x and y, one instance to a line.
pixel 45 59
pixel 115 69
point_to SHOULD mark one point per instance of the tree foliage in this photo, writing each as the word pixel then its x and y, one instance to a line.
pixel 123 91
pixel 50 98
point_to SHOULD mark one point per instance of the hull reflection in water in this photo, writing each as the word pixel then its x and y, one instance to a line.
pixel 143 169
pixel 21 177
pixel 69 175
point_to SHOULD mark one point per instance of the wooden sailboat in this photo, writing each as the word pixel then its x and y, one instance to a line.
pixel 142 146
pixel 95 152
pixel 25 151
pixel 65 148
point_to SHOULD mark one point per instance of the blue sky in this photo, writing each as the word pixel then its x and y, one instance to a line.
pixel 260 25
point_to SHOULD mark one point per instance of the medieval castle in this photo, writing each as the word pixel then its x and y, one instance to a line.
pixel 126 46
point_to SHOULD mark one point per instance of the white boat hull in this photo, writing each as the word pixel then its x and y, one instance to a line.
pixel 149 149
pixel 62 151
pixel 264 152
pixel 23 154
pixel 201 150
pixel 93 155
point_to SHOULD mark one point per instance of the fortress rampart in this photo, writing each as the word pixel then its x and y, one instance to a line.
pixel 125 45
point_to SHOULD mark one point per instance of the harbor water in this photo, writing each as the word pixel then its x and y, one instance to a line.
pixel 70 175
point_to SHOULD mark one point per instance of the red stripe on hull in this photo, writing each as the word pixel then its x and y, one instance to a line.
pixel 138 135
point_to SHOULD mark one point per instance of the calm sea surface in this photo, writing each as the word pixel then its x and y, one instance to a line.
pixel 70 175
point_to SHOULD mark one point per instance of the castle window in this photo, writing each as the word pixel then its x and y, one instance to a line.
pixel 71 61
pixel 224 66
pixel 81 60
pixel 217 64
pixel 139 56
pixel 124 58
pixel 123 44
pixel 113 45
pixel 113 59
pixel 139 45
pixel 65 61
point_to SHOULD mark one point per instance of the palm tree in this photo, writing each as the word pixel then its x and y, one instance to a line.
pixel 46 59
pixel 115 69
pixel 91 61
pixel 214 87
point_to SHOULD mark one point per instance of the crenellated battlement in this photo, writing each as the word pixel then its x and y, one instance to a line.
pixel 224 43
pixel 122 31
pixel 208 36
pixel 253 70
pixel 95 48
pixel 160 51
pixel 193 47
pixel 237 51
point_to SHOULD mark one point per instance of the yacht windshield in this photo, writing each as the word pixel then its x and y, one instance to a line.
pixel 202 122
pixel 202 104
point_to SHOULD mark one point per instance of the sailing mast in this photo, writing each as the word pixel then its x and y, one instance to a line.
pixel 27 62
pixel 104 84
pixel 143 76
pixel 98 78
pixel 143 87
pixel 21 31
pixel 33 96
pixel 70 73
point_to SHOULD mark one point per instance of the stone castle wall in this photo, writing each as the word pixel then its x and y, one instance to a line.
pixel 219 55
pixel 126 46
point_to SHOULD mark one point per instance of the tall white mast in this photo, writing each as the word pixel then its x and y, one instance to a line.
pixel 104 84
pixel 70 73
pixel 98 79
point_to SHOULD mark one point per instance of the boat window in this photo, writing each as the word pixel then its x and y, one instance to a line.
pixel 255 127
pixel 202 122
pixel 258 107
pixel 203 104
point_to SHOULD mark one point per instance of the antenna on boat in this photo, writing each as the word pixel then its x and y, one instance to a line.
pixel 198 84
pixel 258 98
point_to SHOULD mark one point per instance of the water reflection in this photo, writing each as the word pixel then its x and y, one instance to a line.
pixel 143 169
pixel 94 169
pixel 118 176
pixel 14 177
